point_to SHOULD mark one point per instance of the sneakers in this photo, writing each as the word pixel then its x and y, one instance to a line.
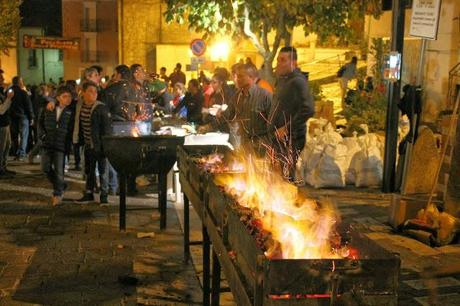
pixel 87 197
pixel 114 192
pixel 56 200
pixel 103 199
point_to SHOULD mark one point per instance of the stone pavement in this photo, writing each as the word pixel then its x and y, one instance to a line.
pixel 75 255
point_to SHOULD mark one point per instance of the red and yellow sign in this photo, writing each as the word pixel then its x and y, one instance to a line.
pixel 43 42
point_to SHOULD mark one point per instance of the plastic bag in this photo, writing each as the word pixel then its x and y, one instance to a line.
pixel 368 163
pixel 329 170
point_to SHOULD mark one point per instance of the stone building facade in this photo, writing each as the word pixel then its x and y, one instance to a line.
pixel 95 23
pixel 147 39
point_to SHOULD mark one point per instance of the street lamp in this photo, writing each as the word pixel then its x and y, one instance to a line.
pixel 220 51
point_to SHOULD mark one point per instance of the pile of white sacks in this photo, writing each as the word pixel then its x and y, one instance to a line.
pixel 330 160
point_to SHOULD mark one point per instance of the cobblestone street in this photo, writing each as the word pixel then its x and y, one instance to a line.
pixel 75 255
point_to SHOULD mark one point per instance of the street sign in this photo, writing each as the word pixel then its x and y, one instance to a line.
pixel 198 60
pixel 191 67
pixel 425 18
pixel 43 42
pixel 198 47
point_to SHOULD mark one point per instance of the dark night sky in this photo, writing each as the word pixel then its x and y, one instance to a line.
pixel 42 13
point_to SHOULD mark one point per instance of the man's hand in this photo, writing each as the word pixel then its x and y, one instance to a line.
pixel 50 106
pixel 281 133
pixel 203 129
pixel 31 122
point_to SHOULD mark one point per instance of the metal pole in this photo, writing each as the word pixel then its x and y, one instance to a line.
pixel 122 198
pixel 43 62
pixel 421 62
pixel 43 65
pixel 206 266
pixel 391 139
pixel 162 199
pixel 215 288
pixel 186 229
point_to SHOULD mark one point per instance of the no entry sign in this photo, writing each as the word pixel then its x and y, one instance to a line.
pixel 198 47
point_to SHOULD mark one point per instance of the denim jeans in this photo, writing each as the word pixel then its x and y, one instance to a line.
pixel 113 178
pixel 76 154
pixel 5 143
pixel 52 163
pixel 24 130
pixel 91 159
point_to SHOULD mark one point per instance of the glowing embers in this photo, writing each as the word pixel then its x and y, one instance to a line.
pixel 284 223
pixel 140 128
pixel 217 163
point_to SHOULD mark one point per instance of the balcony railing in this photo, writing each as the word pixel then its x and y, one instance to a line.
pixel 90 25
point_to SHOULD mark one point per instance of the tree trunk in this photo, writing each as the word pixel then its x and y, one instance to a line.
pixel 287 39
pixel 267 71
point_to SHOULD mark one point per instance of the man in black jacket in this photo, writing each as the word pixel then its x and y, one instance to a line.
pixel 292 106
pixel 118 92
pixel 92 122
pixel 22 117
pixel 55 131
pixel 5 136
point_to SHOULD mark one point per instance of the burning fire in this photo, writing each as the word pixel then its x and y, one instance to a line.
pixel 301 228
pixel 214 163
pixel 135 131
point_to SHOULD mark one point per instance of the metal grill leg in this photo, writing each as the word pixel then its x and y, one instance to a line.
pixel 186 229
pixel 162 200
pixel 122 198
pixel 215 293
pixel 206 267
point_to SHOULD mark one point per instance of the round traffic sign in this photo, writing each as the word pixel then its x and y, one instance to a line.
pixel 198 47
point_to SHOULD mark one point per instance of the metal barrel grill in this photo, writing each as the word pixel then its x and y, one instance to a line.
pixel 150 154
pixel 254 279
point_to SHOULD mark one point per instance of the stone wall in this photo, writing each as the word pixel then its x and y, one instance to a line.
pixel 143 27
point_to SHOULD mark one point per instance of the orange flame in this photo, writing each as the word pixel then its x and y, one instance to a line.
pixel 135 132
pixel 302 227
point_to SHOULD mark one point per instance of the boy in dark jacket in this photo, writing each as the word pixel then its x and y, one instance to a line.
pixel 55 131
pixel 92 122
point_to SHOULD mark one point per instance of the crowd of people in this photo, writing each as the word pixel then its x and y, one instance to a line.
pixel 58 121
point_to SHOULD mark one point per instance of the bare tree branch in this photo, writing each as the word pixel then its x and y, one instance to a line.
pixel 252 36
